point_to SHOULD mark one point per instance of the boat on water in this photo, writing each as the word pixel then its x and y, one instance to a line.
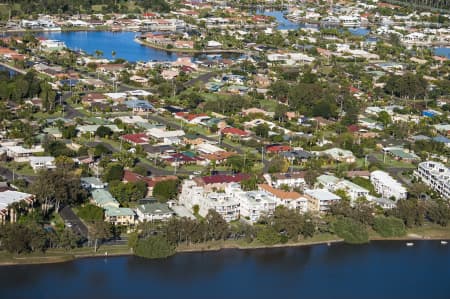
pixel 444 242
pixel 409 244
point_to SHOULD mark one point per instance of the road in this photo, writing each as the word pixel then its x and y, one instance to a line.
pixel 77 225
pixel 8 175
pixel 202 78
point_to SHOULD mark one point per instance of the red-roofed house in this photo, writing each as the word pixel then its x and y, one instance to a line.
pixel 135 139
pixel 278 148
pixel 234 132
pixel 220 181
pixel 192 118
pixel 131 177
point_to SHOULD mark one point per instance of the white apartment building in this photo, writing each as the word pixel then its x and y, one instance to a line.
pixel 254 204
pixel 226 204
pixel 319 200
pixel 333 183
pixel 436 175
pixel 387 186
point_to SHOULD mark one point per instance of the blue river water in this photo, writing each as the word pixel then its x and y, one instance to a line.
pixel 442 52
pixel 121 42
pixel 378 270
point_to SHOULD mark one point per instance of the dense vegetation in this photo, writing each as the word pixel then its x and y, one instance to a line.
pixel 27 7
pixel 438 4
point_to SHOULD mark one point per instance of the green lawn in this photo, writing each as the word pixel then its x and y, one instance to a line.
pixel 389 162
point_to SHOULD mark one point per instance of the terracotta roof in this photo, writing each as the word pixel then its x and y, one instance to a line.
pixel 131 177
pixel 218 156
pixel 278 148
pixel 279 193
pixel 140 138
pixel 234 131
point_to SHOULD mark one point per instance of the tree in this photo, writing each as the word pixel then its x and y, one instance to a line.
pixel 279 90
pixel 288 222
pixel 262 130
pixel 411 211
pixel 384 118
pixel 278 164
pixel 154 247
pixel 166 190
pixel 438 211
pixel 351 231
pixel 114 172
pixel 126 192
pixel 217 226
pixel 69 132
pixel 54 189
pixel 389 226
pixel 267 235
pixel 90 212
pixel 68 239
pixel 99 231
pixel 103 131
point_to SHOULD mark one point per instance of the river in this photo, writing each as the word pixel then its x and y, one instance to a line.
pixel 122 43
pixel 382 269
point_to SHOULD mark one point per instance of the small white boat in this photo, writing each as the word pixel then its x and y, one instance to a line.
pixel 409 244
pixel 444 242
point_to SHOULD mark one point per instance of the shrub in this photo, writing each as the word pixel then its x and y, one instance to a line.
pixel 90 212
pixel 353 232
pixel 154 247
pixel 268 236
pixel 389 226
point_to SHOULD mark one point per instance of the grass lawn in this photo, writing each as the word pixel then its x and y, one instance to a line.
pixel 429 230
pixel 392 162
pixel 268 105
pixel 20 168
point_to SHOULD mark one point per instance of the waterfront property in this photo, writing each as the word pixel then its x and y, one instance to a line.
pixel 436 175
pixel 386 186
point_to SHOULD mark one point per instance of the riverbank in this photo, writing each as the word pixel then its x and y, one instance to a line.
pixel 188 51
pixel 430 232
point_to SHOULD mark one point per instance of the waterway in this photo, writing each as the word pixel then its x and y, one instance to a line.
pixel 122 43
pixel 442 52
pixel 381 269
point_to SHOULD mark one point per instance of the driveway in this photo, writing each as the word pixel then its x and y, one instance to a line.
pixel 78 226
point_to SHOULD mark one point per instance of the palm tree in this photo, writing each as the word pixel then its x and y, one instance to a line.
pixel 98 53
pixel 113 54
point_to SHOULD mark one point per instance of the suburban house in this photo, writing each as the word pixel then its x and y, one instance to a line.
pixel 340 155
pixel 292 179
pixel 7 198
pixel 135 139
pixel 153 211
pixel 103 199
pixel 290 199
pixel 90 183
pixel 38 163
pixel 120 216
